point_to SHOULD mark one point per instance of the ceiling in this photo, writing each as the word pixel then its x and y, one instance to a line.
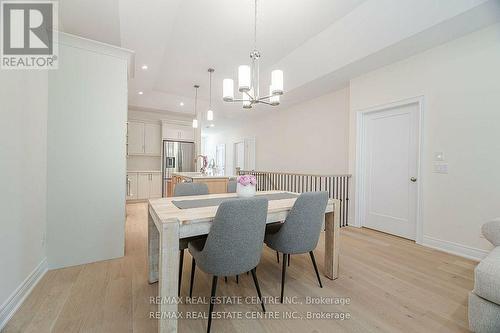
pixel 317 43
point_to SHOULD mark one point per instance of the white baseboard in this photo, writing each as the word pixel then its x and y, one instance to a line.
pixel 455 248
pixel 17 298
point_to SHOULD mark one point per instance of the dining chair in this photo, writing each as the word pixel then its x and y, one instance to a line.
pixel 300 231
pixel 231 186
pixel 181 190
pixel 185 189
pixel 233 245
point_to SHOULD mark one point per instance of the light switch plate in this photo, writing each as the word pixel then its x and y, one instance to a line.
pixel 441 167
pixel 439 156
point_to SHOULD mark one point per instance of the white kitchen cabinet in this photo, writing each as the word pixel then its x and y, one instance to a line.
pixel 143 186
pixel 155 185
pixel 135 138
pixel 143 139
pixel 152 139
pixel 176 132
pixel 131 186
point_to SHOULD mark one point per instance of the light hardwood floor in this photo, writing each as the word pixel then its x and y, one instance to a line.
pixel 393 286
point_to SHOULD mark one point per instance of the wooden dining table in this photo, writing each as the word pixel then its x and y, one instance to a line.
pixel 168 224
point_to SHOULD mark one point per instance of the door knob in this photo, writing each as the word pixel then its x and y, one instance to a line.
pixel 413 179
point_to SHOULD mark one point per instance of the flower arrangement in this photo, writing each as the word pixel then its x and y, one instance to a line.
pixel 246 180
pixel 245 186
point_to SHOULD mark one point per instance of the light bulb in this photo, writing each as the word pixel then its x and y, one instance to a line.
pixel 274 99
pixel 244 78
pixel 277 82
pixel 210 115
pixel 228 90
pixel 195 123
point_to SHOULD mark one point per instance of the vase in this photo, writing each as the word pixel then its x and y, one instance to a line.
pixel 245 191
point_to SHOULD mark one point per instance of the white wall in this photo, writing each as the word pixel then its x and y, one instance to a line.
pixel 86 154
pixel 23 177
pixel 310 137
pixel 460 83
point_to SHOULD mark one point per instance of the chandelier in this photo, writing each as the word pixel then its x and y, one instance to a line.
pixel 248 81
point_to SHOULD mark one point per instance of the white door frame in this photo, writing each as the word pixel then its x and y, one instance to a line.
pixel 360 160
pixel 235 154
pixel 249 154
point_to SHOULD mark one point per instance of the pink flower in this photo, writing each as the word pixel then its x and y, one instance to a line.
pixel 246 180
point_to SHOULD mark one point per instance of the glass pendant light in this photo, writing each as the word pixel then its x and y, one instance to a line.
pixel 228 90
pixel 274 99
pixel 244 78
pixel 210 113
pixel 195 120
pixel 277 82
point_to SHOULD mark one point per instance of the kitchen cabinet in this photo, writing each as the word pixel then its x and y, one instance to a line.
pixel 176 132
pixel 135 138
pixel 155 185
pixel 131 186
pixel 152 139
pixel 215 184
pixel 144 185
pixel 143 139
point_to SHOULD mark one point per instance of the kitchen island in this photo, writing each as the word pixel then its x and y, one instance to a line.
pixel 216 183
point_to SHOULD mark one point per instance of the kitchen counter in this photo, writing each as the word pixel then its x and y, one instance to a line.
pixel 216 183
pixel 199 175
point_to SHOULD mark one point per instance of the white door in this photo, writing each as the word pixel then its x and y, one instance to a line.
pixel 155 186
pixel 152 139
pixel 250 154
pixel 135 138
pixel 391 167
pixel 143 186
pixel 220 158
pixel 239 155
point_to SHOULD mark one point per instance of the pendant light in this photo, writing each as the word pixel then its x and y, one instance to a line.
pixel 195 120
pixel 210 113
pixel 248 81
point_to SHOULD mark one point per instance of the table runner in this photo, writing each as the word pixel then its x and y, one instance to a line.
pixel 197 203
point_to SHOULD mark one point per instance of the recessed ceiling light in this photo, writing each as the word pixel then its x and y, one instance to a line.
pixel 144 67
pixel 140 92
pixel 212 125
pixel 181 103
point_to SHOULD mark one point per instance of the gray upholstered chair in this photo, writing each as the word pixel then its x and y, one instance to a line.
pixel 185 189
pixel 182 190
pixel 233 245
pixel 300 231
pixel 484 300
pixel 231 186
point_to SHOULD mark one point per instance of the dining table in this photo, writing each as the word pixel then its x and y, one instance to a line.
pixel 174 219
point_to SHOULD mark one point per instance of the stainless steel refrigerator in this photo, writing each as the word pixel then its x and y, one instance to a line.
pixel 177 157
